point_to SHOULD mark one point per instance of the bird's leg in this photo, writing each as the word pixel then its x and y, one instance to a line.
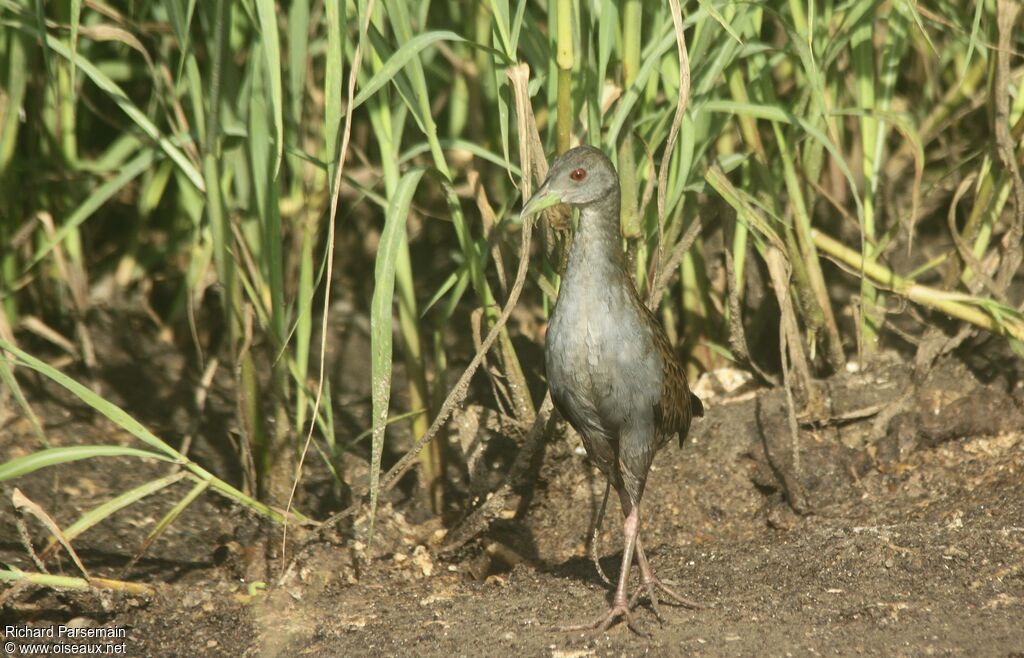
pixel 595 529
pixel 652 585
pixel 620 604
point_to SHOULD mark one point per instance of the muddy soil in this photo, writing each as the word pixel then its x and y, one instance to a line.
pixel 897 529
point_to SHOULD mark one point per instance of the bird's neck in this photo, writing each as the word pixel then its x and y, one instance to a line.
pixel 595 258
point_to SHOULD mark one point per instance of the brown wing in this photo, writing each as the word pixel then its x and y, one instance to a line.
pixel 678 405
pixel 675 409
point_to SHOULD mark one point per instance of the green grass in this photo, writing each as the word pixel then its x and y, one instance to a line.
pixel 232 144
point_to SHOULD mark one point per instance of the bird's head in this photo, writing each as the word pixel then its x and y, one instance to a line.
pixel 578 177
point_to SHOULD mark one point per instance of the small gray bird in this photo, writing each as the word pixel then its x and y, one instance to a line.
pixel 611 370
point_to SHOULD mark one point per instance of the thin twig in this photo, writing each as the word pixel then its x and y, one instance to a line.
pixel 981 277
pixel 657 289
pixel 666 276
pixel 1006 12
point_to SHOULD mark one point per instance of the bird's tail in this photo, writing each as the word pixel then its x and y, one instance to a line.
pixel 696 411
pixel 696 406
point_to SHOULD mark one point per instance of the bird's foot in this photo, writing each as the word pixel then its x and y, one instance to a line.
pixel 652 586
pixel 603 623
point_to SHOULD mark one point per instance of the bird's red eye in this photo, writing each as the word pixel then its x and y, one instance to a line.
pixel 578 174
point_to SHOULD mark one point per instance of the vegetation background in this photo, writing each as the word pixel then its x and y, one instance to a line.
pixel 805 184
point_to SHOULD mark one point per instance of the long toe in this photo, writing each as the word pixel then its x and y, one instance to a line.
pixel 653 587
pixel 605 622
pixel 652 595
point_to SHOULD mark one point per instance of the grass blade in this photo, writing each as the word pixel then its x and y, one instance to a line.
pixel 168 519
pixel 270 44
pixel 381 321
pixel 108 508
pixel 139 164
pixel 118 95
pixel 409 50
pixel 54 456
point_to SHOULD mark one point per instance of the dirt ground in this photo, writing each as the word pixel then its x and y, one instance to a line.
pixel 908 538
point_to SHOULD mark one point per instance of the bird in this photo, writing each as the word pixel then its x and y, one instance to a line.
pixel 611 369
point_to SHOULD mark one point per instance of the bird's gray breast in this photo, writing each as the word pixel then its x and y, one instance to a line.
pixel 603 368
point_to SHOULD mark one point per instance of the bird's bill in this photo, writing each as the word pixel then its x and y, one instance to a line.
pixel 543 198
